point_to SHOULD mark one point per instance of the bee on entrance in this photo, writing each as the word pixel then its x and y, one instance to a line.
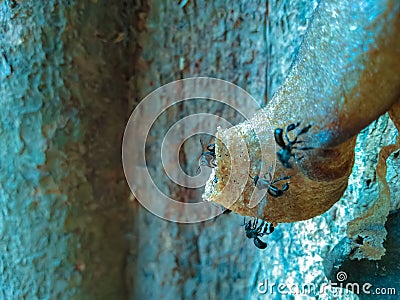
pixel 266 182
pixel 285 153
pixel 255 231
pixel 207 158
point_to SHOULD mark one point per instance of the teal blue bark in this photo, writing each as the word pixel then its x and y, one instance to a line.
pixel 63 97
pixel 33 245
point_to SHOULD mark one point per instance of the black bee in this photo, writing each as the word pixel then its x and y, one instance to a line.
pixel 267 182
pixel 285 153
pixel 255 231
pixel 207 158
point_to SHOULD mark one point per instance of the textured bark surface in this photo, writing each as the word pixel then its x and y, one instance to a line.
pixel 70 73
pixel 227 41
pixel 63 198
pixel 382 276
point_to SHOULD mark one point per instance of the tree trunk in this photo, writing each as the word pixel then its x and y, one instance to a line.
pixel 65 215
pixel 71 73
pixel 213 258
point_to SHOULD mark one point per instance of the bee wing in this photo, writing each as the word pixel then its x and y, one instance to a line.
pixel 263 183
pixel 208 160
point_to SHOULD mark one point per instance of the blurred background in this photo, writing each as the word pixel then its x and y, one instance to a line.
pixel 71 73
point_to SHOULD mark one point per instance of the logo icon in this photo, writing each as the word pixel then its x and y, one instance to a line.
pixel 341 276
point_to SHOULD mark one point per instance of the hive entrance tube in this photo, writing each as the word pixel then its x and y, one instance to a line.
pixel 344 77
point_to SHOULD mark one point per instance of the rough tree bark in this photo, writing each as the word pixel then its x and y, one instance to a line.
pixel 70 71
pixel 63 199
pixel 227 41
